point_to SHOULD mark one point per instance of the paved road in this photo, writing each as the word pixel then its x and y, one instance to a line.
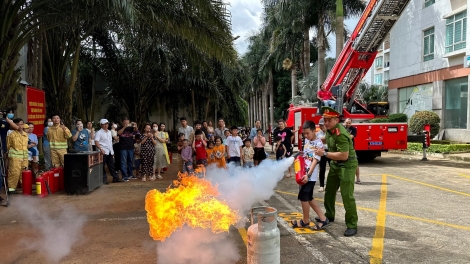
pixel 409 212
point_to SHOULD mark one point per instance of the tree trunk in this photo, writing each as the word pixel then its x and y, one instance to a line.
pixel 40 59
pixel 339 27
pixel 194 104
pixel 265 106
pixel 306 52
pixel 271 98
pixel 321 51
pixel 293 75
pixel 207 108
pixel 36 61
pixel 67 115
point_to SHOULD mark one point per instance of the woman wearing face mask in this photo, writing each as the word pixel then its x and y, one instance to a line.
pixel 46 149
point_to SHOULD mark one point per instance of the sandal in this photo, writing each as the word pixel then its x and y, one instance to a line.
pixel 295 223
pixel 288 175
pixel 323 224
pixel 358 182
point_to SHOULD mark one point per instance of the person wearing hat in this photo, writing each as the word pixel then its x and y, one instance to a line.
pixel 104 144
pixel 321 134
pixel 342 170
pixel 17 147
pixel 58 134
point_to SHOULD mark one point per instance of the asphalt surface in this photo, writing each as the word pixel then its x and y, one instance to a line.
pixel 409 212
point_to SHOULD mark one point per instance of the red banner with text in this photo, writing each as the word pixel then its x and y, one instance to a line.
pixel 36 109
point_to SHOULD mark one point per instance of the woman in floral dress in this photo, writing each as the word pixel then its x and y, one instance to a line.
pixel 161 153
pixel 147 153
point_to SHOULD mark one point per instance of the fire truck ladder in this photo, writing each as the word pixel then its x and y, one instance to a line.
pixel 360 50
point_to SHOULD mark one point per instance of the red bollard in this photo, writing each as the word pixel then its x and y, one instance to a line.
pixel 27 179
pixel 61 178
pixel 41 189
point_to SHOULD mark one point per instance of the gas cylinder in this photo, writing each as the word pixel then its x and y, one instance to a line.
pixel 299 168
pixel 27 179
pixel 49 178
pixel 56 172
pixel 61 178
pixel 264 238
pixel 41 189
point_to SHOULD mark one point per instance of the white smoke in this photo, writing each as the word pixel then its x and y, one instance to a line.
pixel 241 189
pixel 57 234
pixel 197 245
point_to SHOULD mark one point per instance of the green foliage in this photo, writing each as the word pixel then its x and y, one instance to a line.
pixel 440 148
pixel 397 118
pixel 373 93
pixel 379 120
pixel 418 120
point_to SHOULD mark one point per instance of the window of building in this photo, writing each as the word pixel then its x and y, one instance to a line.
pixel 428 2
pixel 456 32
pixel 456 103
pixel 404 95
pixel 378 79
pixel 386 77
pixel 428 50
pixel 379 62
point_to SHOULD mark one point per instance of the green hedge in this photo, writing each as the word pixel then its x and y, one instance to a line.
pixel 440 148
pixel 393 118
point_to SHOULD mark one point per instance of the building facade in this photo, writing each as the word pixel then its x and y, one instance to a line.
pixel 379 72
pixel 428 67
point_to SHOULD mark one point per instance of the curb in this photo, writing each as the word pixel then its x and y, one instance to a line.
pixel 455 156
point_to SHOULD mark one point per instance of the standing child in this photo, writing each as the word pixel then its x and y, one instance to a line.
pixel 306 191
pixel 210 153
pixel 219 153
pixel 280 149
pixel 180 145
pixel 226 134
pixel 199 146
pixel 187 157
pixel 248 153
pixel 234 146
pixel 137 155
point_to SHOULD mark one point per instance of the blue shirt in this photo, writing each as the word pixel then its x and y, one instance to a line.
pixel 81 144
pixel 45 142
pixel 253 133
pixel 33 138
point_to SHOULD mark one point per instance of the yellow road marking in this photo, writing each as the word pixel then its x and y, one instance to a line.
pixel 376 252
pixel 289 217
pixel 243 234
pixel 464 175
pixel 429 185
pixel 425 220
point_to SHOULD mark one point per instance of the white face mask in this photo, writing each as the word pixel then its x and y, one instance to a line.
pixel 49 124
pixel 155 128
pixel 115 126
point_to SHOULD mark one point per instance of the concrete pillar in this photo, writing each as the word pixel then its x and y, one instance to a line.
pixel 438 100
pixel 393 101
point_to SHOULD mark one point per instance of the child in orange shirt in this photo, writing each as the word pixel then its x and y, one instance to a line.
pixel 219 153
pixel 210 153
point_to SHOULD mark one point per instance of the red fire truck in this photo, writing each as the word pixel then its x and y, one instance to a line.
pixel 353 63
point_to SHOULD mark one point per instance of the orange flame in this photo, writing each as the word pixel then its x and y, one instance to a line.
pixel 192 202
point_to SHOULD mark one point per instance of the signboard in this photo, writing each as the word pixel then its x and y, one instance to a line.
pixel 36 109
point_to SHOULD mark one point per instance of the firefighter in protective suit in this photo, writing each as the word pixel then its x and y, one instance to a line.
pixel 57 135
pixel 342 169
pixel 17 146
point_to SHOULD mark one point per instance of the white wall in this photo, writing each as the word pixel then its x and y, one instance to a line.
pixel 406 38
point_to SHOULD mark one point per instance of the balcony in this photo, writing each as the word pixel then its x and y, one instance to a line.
pixel 386 64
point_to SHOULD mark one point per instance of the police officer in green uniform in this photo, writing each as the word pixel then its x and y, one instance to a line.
pixel 342 169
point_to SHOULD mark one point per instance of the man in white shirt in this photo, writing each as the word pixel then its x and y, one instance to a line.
pixel 184 128
pixel 234 146
pixel 104 144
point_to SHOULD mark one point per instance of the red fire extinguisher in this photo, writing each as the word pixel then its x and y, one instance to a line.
pixel 299 168
pixel 56 180
pixel 41 189
pixel 27 179
pixel 61 178
pixel 49 179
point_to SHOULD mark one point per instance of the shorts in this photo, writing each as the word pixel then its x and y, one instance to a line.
pixel 235 160
pixel 306 192
pixel 248 164
pixel 260 154
pixel 202 162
